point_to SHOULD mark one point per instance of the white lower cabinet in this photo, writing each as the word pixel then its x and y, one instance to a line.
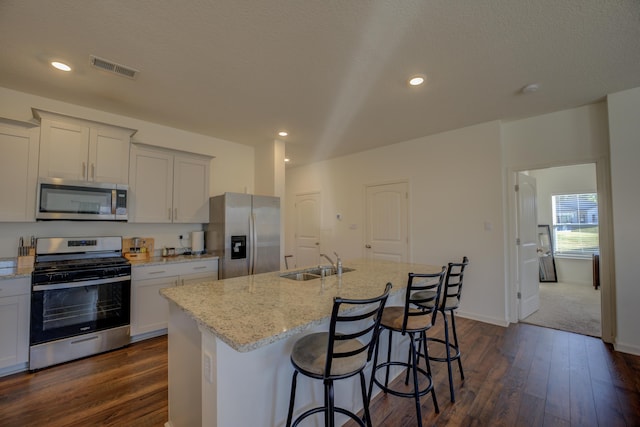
pixel 149 309
pixel 15 299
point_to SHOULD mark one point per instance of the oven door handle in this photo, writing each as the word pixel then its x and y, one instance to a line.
pixel 81 284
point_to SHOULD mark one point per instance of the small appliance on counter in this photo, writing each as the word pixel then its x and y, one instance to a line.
pixel 137 248
pixel 197 242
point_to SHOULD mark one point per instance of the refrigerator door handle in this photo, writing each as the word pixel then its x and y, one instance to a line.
pixel 252 242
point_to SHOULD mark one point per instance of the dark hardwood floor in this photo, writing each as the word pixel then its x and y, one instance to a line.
pixel 126 387
pixel 523 375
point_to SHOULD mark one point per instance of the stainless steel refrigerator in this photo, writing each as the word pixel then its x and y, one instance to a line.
pixel 245 232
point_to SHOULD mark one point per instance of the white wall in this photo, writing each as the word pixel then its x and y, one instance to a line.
pixel 565 180
pixel 624 125
pixel 232 169
pixel 455 180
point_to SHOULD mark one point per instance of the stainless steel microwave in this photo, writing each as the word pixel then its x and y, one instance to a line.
pixel 59 199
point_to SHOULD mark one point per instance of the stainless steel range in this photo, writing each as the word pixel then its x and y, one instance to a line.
pixel 80 299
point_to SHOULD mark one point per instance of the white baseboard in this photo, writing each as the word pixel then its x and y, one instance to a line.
pixel 14 369
pixel 480 318
pixel 146 336
pixel 627 348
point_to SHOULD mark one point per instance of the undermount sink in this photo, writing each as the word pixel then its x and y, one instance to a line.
pixel 300 276
pixel 313 273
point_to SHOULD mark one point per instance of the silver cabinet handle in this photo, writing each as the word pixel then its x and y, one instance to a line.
pixel 169 214
pixel 175 214
pixel 93 170
pixel 84 170
pixel 367 246
pixel 200 267
pixel 157 272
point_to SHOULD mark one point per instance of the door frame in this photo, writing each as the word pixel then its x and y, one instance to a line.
pixel 607 268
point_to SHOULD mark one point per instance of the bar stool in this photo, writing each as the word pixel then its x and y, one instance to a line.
pixel 341 353
pixel 450 302
pixel 413 319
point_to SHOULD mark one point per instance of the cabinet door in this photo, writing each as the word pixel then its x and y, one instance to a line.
pixel 18 173
pixel 191 189
pixel 149 309
pixel 14 330
pixel 64 150
pixel 109 156
pixel 151 186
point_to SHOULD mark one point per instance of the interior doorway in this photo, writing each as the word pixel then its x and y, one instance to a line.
pixel 567 203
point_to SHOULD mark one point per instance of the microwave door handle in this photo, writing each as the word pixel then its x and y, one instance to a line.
pixel 114 201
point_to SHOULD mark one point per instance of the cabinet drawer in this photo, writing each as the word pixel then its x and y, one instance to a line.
pixel 152 272
pixel 174 269
pixel 196 267
pixel 13 287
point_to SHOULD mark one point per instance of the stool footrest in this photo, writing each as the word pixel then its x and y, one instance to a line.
pixel 389 390
pixel 312 411
pixel 454 356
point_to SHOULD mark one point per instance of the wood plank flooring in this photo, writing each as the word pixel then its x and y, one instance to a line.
pixel 125 387
pixel 523 375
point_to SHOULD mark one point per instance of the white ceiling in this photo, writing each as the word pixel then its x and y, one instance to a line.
pixel 333 73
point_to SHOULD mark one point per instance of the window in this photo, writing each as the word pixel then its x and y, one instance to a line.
pixel 575 224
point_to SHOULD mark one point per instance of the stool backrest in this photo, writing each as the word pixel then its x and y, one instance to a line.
pixel 343 327
pixel 421 300
pixel 453 287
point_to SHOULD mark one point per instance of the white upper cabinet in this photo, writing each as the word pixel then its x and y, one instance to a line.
pixel 77 149
pixel 168 186
pixel 18 171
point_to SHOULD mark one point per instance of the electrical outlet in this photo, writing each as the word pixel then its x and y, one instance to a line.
pixel 180 237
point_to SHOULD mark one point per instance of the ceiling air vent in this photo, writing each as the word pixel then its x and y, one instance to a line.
pixel 112 67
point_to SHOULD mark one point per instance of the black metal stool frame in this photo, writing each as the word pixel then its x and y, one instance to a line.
pixel 329 408
pixel 449 303
pixel 414 309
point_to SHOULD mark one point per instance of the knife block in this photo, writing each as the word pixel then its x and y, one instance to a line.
pixel 25 261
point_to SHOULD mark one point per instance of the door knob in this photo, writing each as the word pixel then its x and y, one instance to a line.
pixel 367 246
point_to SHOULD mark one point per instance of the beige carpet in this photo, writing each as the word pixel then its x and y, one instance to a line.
pixel 568 307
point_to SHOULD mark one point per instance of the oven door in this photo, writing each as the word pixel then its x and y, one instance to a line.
pixel 65 310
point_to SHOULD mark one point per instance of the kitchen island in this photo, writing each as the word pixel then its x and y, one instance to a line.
pixel 230 340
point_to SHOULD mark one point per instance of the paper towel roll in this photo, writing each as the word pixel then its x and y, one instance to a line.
pixel 197 242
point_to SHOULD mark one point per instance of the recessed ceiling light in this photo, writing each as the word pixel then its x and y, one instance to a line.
pixel 283 133
pixel 416 80
pixel 286 159
pixel 61 66
pixel 533 87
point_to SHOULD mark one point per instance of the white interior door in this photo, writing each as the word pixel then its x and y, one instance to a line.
pixel 386 234
pixel 528 265
pixel 307 229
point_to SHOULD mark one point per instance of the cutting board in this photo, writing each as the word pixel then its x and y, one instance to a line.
pixel 146 248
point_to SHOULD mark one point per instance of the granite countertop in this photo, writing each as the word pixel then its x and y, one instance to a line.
pixel 10 270
pixel 159 260
pixel 250 312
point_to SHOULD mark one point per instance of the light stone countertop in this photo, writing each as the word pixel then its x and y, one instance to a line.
pixel 159 260
pixel 250 312
pixel 9 269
